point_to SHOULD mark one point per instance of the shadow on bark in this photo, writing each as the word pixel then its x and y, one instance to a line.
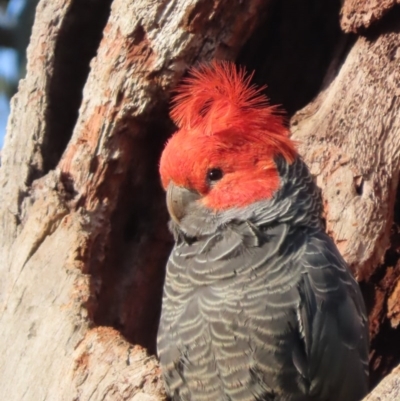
pixel 385 334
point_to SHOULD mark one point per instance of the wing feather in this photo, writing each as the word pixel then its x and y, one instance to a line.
pixel 333 324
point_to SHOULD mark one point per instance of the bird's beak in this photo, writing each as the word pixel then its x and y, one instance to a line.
pixel 178 199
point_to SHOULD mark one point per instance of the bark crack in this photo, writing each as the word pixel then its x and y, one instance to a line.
pixel 77 43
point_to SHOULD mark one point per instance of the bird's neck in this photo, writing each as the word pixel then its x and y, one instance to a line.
pixel 297 203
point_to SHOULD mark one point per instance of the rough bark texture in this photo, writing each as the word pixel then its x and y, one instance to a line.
pixel 388 389
pixel 357 15
pixel 83 238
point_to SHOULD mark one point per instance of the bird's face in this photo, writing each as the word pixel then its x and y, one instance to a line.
pixel 219 171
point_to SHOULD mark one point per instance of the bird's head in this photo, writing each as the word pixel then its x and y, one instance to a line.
pixel 223 154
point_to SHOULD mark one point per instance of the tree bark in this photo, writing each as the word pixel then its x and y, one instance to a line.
pixel 84 239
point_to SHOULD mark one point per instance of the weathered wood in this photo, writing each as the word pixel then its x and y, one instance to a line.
pixel 388 389
pixel 126 371
pixel 357 15
pixel 26 134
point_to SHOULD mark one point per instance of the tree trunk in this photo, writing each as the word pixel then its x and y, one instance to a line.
pixel 84 239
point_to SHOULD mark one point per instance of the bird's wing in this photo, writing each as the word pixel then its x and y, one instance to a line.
pixel 333 325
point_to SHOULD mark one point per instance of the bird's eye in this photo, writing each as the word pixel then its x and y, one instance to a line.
pixel 214 174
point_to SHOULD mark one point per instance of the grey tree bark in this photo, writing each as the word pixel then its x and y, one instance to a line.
pixel 83 238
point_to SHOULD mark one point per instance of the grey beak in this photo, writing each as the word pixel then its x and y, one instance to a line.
pixel 178 199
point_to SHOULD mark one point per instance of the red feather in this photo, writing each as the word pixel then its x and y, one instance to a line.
pixel 215 93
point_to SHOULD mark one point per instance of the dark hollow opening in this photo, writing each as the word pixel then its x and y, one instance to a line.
pixel 291 51
pixel 76 45
pixel 132 276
